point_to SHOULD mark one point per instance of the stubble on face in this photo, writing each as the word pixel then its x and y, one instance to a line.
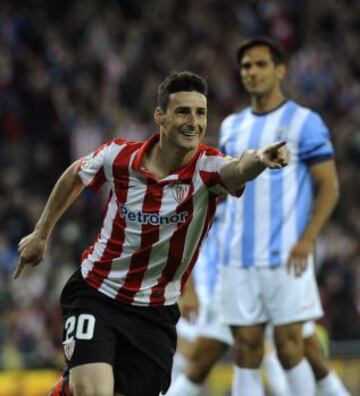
pixel 185 120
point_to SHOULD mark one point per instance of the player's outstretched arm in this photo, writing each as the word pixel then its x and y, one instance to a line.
pixel 252 162
pixel 33 246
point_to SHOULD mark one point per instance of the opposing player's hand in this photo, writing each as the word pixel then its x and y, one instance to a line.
pixel 298 258
pixel 274 156
pixel 31 249
pixel 189 304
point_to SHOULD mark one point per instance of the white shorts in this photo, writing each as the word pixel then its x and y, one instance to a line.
pixel 207 325
pixel 260 294
pixel 186 329
pixel 210 324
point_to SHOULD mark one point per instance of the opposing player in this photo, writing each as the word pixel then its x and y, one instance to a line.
pixel 120 308
pixel 268 256
pixel 278 220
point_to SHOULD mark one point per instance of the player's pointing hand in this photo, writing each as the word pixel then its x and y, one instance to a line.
pixel 274 156
pixel 31 249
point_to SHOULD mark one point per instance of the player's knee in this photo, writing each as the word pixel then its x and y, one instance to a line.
pixel 199 367
pixel 289 344
pixel 249 353
pixel 290 351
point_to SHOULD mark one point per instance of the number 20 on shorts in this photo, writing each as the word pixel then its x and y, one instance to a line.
pixel 80 328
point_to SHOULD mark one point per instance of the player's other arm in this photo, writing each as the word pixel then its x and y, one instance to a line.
pixel 236 173
pixel 33 246
pixel 188 303
pixel 326 196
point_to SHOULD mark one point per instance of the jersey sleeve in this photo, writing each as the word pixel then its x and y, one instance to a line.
pixel 91 167
pixel 210 173
pixel 224 134
pixel 222 139
pixel 315 145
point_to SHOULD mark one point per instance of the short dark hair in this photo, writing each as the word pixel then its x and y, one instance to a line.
pixel 180 81
pixel 277 54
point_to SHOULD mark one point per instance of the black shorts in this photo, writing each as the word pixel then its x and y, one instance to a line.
pixel 139 342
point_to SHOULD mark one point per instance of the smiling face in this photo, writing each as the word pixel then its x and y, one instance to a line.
pixel 183 124
pixel 259 74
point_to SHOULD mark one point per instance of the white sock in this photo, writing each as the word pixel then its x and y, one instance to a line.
pixel 331 385
pixel 301 379
pixel 276 376
pixel 247 382
pixel 179 364
pixel 182 386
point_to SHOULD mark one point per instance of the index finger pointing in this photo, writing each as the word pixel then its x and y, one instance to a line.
pixel 20 266
pixel 279 144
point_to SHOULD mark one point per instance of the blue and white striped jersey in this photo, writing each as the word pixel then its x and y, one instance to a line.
pixel 261 228
pixel 206 269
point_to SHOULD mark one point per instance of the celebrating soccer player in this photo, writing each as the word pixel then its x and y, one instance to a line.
pixel 120 307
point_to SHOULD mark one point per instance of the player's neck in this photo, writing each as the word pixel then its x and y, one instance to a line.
pixel 161 161
pixel 267 102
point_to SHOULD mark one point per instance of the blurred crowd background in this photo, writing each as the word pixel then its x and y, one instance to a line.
pixel 75 73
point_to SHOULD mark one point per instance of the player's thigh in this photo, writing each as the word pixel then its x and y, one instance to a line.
pixel 249 336
pixel 206 351
pixel 92 379
pixel 186 334
pixel 184 347
pixel 242 303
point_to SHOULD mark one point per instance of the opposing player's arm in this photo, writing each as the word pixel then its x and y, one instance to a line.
pixel 326 196
pixel 237 172
pixel 66 190
pixel 188 303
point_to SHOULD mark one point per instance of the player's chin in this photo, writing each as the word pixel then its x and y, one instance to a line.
pixel 189 142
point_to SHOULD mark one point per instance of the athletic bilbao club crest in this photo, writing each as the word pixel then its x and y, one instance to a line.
pixel 87 161
pixel 181 191
pixel 69 347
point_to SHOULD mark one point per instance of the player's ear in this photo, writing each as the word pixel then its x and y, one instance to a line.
pixel 281 71
pixel 159 116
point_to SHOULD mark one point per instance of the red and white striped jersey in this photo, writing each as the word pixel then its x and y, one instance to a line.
pixel 152 229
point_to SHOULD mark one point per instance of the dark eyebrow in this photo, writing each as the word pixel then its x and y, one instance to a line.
pixel 186 108
pixel 245 64
pixel 182 108
pixel 259 62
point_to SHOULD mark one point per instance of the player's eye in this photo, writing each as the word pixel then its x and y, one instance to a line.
pixel 261 63
pixel 182 110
